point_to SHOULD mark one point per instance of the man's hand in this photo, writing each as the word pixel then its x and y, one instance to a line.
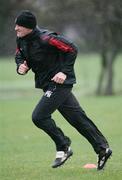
pixel 59 78
pixel 23 68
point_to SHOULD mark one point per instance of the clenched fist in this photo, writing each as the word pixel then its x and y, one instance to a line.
pixel 59 78
pixel 23 68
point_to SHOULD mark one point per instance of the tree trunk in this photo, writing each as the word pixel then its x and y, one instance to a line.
pixel 110 72
pixel 102 74
pixel 107 73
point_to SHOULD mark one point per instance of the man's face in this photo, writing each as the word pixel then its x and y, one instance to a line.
pixel 22 31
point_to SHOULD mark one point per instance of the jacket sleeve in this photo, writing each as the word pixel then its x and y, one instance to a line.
pixel 67 50
pixel 19 58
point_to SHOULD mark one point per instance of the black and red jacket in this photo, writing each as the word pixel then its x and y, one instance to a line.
pixel 47 53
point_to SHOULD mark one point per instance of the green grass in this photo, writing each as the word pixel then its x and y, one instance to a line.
pixel 26 153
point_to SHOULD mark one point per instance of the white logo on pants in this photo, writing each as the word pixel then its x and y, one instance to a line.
pixel 48 93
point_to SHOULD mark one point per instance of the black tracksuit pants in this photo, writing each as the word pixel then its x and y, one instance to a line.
pixel 64 101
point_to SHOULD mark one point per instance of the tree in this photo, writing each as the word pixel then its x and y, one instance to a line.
pixel 110 13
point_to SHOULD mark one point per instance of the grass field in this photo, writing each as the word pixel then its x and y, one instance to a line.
pixel 26 153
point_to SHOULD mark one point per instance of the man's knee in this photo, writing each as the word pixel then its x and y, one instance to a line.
pixel 40 119
pixel 35 118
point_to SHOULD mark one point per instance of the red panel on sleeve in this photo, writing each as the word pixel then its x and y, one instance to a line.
pixel 60 45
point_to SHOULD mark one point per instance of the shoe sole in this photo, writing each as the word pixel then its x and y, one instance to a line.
pixel 68 156
pixel 108 156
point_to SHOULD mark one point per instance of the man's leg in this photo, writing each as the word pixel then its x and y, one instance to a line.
pixel 75 115
pixel 42 116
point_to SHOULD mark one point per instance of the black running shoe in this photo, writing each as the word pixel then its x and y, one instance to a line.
pixel 103 157
pixel 61 157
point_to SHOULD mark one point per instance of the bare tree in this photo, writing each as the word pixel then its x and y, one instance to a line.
pixel 111 30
